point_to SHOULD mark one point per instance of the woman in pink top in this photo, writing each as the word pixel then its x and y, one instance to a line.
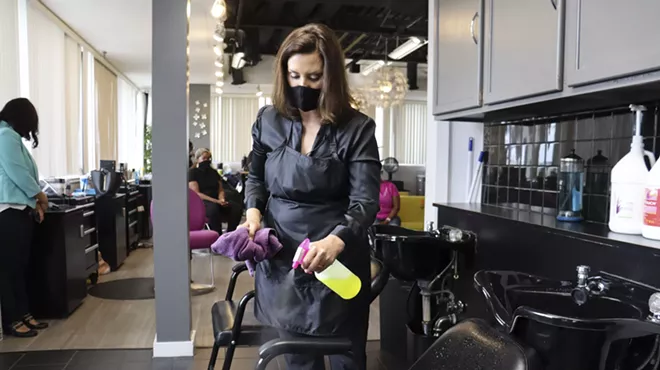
pixel 390 203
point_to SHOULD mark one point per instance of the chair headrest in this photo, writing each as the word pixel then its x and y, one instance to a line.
pixel 379 277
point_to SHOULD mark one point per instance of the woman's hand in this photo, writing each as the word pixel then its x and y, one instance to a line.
pixel 322 254
pixel 42 198
pixel 222 201
pixel 40 214
pixel 252 221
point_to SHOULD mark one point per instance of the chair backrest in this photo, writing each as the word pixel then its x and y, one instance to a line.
pixel 196 211
pixel 379 277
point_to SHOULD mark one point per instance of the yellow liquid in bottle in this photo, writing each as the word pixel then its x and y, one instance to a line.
pixel 346 288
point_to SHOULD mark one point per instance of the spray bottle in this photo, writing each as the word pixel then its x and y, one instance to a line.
pixel 629 177
pixel 336 276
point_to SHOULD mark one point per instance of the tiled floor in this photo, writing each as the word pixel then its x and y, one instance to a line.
pixel 244 359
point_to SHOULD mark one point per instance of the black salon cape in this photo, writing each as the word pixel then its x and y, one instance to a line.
pixel 333 190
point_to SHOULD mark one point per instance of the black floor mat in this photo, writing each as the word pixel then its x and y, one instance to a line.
pixel 125 289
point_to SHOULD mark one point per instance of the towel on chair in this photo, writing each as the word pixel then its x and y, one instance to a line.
pixel 238 246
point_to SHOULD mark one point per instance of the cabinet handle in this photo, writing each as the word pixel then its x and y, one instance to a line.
pixel 554 4
pixel 84 232
pixel 132 212
pixel 123 211
pixel 474 18
pixel 87 214
pixel 132 224
pixel 92 248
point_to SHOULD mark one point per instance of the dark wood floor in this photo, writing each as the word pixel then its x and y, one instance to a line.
pixel 245 359
pixel 109 324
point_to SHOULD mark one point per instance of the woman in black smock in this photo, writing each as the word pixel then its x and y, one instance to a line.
pixel 315 173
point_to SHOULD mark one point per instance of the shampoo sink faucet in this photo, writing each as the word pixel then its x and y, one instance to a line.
pixel 587 286
pixel 654 308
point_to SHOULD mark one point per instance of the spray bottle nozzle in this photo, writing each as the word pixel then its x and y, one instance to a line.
pixel 301 252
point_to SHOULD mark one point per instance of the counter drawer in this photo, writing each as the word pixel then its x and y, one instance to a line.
pixel 91 256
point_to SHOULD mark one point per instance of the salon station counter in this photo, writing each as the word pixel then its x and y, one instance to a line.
pixel 64 255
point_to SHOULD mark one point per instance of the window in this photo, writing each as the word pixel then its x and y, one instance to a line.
pixel 231 126
pixel 264 100
pixel 401 132
pixel 379 118
pixel 47 48
pixel 9 52
pixel 408 127
pixel 130 124
pixel 89 113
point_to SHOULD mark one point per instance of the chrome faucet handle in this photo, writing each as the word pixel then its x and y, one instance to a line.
pixel 455 235
pixel 654 307
pixel 583 270
pixel 430 226
pixel 583 275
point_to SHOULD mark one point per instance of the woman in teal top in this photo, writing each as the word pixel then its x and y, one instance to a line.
pixel 21 203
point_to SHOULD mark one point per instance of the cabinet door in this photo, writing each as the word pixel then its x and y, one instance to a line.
pixel 608 39
pixel 523 47
pixel 458 55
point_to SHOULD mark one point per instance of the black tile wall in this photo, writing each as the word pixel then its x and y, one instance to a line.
pixel 524 157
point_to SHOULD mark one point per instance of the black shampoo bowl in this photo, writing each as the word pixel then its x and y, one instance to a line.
pixel 567 335
pixel 418 255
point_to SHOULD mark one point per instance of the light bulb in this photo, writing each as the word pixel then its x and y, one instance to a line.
pixel 219 9
pixel 386 87
pixel 218 63
pixel 218 90
pixel 219 83
pixel 217 50
pixel 260 93
pixel 188 9
pixel 219 74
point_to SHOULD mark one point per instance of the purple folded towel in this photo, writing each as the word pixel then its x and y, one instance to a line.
pixel 238 246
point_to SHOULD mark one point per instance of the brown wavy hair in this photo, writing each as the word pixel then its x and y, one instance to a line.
pixel 335 100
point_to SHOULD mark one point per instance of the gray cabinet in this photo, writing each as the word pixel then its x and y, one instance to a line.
pixel 524 48
pixel 607 39
pixel 457 55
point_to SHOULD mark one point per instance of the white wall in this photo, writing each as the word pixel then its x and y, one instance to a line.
pixel 446 150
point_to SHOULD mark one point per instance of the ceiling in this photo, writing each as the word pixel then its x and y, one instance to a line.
pixel 122 28
pixel 367 29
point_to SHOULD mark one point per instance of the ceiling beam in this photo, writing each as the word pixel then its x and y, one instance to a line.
pixel 355 28
pixel 354 42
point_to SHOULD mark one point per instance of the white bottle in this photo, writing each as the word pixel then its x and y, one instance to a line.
pixel 651 227
pixel 629 177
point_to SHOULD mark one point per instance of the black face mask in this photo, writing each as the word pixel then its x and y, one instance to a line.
pixel 305 98
pixel 205 164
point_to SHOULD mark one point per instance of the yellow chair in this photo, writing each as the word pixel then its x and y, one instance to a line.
pixel 412 211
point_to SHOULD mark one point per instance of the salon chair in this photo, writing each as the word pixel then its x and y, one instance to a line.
pixel 201 238
pixel 234 326
pixel 470 345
